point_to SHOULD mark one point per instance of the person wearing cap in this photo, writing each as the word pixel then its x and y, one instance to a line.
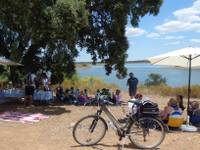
pixel 132 83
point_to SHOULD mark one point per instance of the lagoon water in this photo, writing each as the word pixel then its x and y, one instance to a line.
pixel 175 76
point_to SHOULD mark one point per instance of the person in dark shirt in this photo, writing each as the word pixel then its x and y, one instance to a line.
pixel 132 83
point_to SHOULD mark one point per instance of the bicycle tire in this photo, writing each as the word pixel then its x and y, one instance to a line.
pixel 146 125
pixel 95 119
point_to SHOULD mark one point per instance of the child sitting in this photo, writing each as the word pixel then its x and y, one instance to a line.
pixel 117 97
pixel 82 98
pixel 171 110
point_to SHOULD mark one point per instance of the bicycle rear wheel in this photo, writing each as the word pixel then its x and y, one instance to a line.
pixel 147 132
pixel 89 130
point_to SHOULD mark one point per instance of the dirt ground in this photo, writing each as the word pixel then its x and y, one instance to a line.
pixel 55 133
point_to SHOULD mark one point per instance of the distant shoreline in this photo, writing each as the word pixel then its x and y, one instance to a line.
pixel 127 62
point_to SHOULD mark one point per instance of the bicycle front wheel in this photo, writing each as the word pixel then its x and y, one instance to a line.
pixel 89 130
pixel 147 133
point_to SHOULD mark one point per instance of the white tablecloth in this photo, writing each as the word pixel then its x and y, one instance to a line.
pixel 2 100
pixel 13 93
pixel 39 95
pixel 43 95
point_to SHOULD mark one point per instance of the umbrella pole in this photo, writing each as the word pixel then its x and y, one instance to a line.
pixel 189 80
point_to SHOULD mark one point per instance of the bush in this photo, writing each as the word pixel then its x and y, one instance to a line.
pixel 155 79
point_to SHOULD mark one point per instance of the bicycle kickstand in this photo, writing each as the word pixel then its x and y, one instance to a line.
pixel 122 142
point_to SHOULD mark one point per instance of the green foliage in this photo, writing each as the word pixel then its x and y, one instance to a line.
pixel 46 33
pixel 155 79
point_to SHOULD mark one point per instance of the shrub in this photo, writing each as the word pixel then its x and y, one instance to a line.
pixel 155 79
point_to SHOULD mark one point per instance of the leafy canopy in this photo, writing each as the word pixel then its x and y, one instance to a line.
pixel 48 34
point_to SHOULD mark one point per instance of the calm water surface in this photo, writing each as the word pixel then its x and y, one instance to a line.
pixel 175 76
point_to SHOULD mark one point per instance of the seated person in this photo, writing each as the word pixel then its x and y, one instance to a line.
pixel 60 93
pixel 82 98
pixel 66 96
pixel 179 98
pixel 195 113
pixel 117 97
pixel 137 100
pixel 77 93
pixel 97 95
pixel 85 93
pixel 171 110
pixel 193 105
pixel 72 94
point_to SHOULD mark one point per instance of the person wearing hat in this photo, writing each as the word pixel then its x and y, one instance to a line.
pixel 132 83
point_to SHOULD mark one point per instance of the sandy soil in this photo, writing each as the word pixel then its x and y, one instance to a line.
pixel 55 133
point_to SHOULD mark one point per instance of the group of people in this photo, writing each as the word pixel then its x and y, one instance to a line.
pixel 40 80
pixel 113 97
pixel 80 97
pixel 72 95
pixel 174 107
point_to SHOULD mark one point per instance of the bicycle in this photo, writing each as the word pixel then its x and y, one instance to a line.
pixel 91 129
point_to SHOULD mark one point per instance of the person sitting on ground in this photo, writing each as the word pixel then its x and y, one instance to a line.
pixel 117 97
pixel 194 113
pixel 67 97
pixel 97 95
pixel 72 94
pixel 45 82
pixel 85 93
pixel 81 98
pixel 179 98
pixel 77 93
pixel 193 105
pixel 60 93
pixel 171 110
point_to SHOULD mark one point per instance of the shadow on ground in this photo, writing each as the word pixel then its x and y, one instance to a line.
pixel 44 109
pixel 117 146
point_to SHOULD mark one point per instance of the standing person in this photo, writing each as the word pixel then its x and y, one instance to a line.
pixel 132 82
pixel 45 82
pixel 29 90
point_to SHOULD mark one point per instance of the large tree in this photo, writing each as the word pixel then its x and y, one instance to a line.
pixel 48 34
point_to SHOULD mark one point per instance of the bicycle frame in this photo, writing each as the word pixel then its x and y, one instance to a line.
pixel 120 129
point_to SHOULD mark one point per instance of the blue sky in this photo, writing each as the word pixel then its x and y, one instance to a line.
pixel 176 26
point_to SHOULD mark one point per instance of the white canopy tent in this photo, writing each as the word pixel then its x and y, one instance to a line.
pixel 188 57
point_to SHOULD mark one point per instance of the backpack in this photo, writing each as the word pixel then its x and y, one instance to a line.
pixel 149 108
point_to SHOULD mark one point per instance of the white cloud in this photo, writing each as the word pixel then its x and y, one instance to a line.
pixel 187 19
pixel 173 37
pixel 195 40
pixel 153 35
pixel 131 32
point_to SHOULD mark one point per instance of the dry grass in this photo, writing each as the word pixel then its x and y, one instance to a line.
pixel 89 83
pixel 165 90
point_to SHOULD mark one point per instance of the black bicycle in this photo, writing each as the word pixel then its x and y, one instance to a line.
pixel 143 132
